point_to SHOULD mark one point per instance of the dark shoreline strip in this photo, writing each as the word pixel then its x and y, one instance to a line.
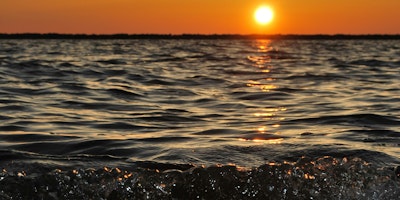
pixel 199 36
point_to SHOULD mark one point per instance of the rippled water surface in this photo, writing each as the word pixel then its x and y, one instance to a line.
pixel 180 104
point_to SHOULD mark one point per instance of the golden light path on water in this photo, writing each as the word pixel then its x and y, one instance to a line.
pixel 262 63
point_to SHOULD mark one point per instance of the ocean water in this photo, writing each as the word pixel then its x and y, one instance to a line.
pixel 199 119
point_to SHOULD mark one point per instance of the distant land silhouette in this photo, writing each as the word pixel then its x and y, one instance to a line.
pixel 199 36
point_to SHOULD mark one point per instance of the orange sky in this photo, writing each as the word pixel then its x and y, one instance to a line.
pixel 199 16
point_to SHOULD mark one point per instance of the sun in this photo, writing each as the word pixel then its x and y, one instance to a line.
pixel 263 15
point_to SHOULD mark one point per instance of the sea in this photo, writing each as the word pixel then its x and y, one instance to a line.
pixel 199 119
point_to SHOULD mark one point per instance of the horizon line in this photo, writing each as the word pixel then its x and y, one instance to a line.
pixel 50 35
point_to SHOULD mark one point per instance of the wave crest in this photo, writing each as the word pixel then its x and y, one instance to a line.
pixel 321 178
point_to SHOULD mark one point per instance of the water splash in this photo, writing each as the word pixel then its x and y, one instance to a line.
pixel 321 178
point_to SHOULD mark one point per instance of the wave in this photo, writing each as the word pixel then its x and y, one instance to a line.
pixel 361 119
pixel 68 108
pixel 319 178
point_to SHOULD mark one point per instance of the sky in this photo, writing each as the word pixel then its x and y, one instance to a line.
pixel 199 16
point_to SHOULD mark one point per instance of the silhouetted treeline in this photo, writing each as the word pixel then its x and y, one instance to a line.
pixel 197 36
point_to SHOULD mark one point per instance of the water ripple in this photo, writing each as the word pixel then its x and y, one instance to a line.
pixel 198 101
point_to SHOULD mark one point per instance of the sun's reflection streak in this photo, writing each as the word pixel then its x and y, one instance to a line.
pixel 263 87
pixel 263 141
pixel 262 61
pixel 264 45
pixel 262 129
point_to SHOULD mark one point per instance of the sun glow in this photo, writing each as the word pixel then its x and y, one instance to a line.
pixel 263 15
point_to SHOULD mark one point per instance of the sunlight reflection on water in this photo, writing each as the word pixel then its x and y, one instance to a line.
pixel 263 64
pixel 180 100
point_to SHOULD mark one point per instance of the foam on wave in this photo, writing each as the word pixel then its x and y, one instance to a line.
pixel 321 178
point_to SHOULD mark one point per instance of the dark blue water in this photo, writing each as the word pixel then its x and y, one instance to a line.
pixel 207 119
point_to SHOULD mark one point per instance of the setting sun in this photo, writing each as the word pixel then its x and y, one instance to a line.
pixel 263 15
